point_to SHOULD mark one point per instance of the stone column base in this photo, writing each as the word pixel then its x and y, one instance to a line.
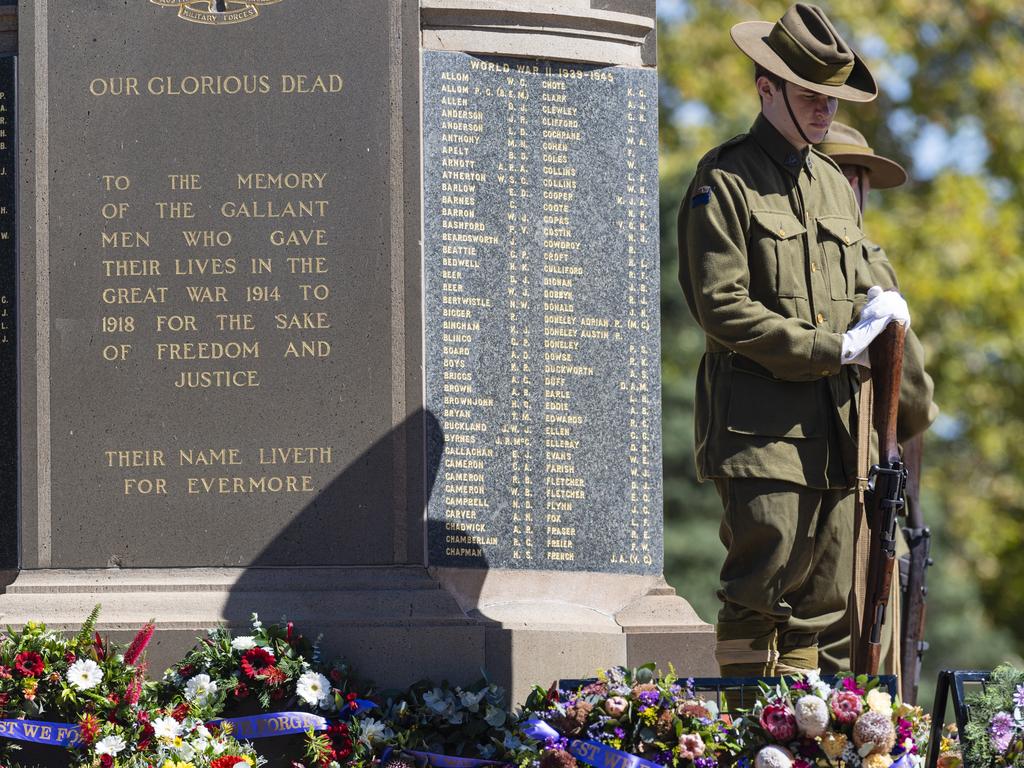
pixel 395 625
pixel 542 626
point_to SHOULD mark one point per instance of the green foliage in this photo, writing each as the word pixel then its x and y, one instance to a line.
pixel 955 238
pixel 994 735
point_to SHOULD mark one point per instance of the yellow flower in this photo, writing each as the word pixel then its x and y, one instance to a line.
pixel 650 716
pixel 173 764
pixel 247 759
pixel 833 744
pixel 879 701
pixel 877 761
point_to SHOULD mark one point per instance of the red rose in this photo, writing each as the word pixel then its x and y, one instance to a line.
pixel 70 658
pixel 186 670
pixel 241 690
pixel 225 761
pixel 846 706
pixel 180 712
pixel 29 663
pixel 779 721
pixel 256 662
pixel 106 761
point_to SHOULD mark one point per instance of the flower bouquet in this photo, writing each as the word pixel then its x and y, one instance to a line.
pixel 856 724
pixel 179 740
pixel 81 692
pixel 272 683
pixel 994 735
pixel 659 720
pixel 428 721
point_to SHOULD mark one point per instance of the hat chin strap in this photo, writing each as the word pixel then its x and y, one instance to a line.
pixel 792 116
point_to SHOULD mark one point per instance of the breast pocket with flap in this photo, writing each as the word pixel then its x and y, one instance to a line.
pixel 778 235
pixel 840 238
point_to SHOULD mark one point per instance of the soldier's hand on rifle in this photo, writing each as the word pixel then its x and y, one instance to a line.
pixel 883 307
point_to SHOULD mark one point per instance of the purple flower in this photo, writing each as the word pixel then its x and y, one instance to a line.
pixel 1018 696
pixel 559 743
pixel 706 762
pixel 619 733
pixel 663 758
pixel 650 698
pixel 690 692
pixel 800 685
pixel 1000 731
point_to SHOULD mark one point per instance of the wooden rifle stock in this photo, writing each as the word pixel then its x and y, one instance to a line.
pixel 884 499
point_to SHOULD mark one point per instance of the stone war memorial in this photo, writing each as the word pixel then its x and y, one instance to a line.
pixel 339 310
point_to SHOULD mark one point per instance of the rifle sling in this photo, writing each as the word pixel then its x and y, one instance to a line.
pixel 860 528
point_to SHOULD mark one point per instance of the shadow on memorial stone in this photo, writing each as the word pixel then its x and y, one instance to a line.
pixel 383 594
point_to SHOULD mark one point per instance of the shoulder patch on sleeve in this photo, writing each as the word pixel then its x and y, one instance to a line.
pixel 701 196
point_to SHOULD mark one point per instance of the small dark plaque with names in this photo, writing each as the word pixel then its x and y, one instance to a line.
pixel 8 346
pixel 542 319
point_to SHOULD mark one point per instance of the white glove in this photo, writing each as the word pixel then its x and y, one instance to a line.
pixel 885 303
pixel 883 307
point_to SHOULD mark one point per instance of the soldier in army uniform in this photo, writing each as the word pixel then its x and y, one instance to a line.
pixel 770 248
pixel 865 170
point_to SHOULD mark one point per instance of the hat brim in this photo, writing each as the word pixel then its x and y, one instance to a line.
pixel 751 37
pixel 885 173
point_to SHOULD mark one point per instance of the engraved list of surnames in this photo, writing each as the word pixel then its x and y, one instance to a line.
pixel 217 268
pixel 541 289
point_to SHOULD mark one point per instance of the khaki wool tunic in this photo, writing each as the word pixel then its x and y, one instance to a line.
pixel 772 267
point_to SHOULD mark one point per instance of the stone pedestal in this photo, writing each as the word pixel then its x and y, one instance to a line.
pixel 240 238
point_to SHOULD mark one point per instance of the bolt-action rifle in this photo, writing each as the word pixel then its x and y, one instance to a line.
pixel 913 567
pixel 884 498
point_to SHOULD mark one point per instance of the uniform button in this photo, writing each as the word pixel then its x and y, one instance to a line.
pixel 847 239
pixel 782 232
pixel 814 266
pixel 825 373
pixel 821 318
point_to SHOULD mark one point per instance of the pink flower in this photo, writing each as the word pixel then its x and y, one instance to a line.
pixel 779 721
pixel 691 746
pixel 846 706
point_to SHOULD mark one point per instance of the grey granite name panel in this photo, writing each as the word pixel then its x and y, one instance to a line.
pixel 219 296
pixel 541 277
pixel 8 325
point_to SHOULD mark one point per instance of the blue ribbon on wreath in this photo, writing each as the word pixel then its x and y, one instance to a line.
pixel 38 732
pixel 284 723
pixel 588 751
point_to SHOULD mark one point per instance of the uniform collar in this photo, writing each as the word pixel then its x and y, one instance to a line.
pixel 779 149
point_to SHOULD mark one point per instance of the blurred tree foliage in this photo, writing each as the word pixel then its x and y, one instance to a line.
pixel 950 74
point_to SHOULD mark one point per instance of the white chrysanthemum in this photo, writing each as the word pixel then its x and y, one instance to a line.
pixel 811 716
pixel 110 745
pixel 773 757
pixel 879 701
pixel 820 687
pixel 371 730
pixel 85 674
pixel 166 728
pixel 470 700
pixel 313 688
pixel 200 688
pixel 243 643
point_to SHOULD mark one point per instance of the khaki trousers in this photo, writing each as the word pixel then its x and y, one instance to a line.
pixel 787 572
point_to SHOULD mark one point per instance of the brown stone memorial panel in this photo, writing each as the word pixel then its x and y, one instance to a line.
pixel 542 320
pixel 219 303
